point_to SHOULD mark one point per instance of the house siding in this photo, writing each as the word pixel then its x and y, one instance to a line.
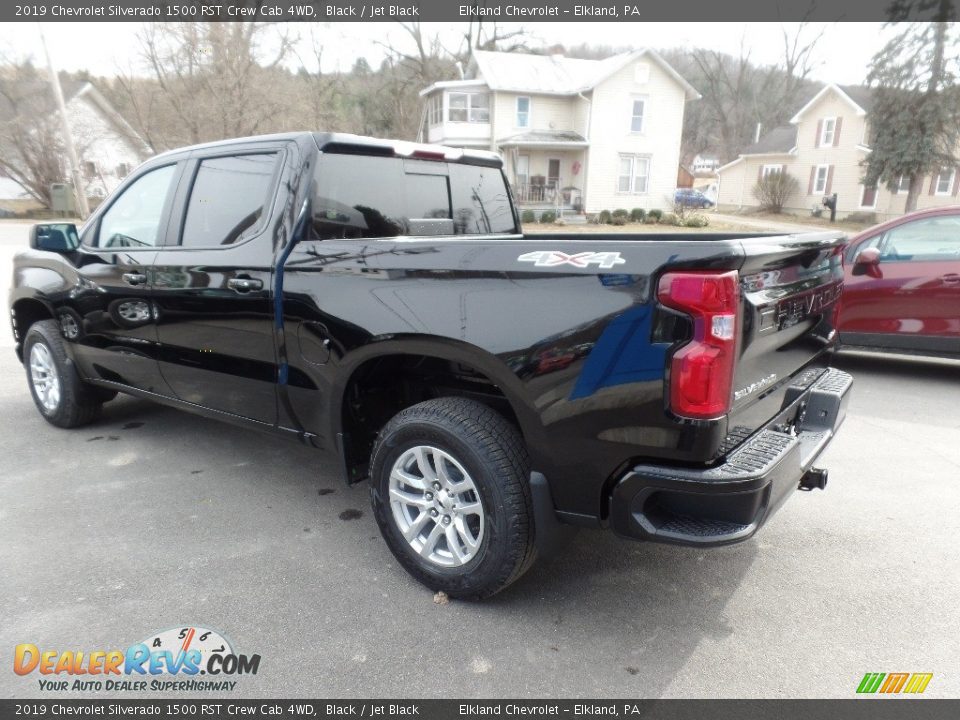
pixel 98 141
pixel 610 137
pixel 547 112
pixel 845 158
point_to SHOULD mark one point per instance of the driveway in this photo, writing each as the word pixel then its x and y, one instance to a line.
pixel 152 519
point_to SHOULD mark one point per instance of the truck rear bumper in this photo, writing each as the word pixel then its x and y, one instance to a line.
pixel 728 503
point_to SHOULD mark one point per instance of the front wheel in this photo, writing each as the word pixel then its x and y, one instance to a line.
pixel 450 492
pixel 58 392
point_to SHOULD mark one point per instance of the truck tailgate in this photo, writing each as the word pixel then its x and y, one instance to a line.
pixel 790 287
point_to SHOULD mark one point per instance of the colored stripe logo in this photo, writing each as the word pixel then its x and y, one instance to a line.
pixel 894 683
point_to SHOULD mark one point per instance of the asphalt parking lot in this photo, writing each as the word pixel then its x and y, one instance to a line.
pixel 152 519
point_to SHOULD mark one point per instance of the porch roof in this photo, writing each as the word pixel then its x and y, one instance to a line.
pixel 547 139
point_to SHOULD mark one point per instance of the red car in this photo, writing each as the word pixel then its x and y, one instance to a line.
pixel 902 285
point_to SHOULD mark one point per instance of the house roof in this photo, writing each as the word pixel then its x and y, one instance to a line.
pixel 35 96
pixel 779 140
pixel 554 74
pixel 544 137
pixel 858 97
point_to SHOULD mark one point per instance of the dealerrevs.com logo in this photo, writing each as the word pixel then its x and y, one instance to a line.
pixel 172 660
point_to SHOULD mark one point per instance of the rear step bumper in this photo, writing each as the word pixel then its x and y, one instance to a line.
pixel 728 503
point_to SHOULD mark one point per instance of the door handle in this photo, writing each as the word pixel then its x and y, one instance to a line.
pixel 244 284
pixel 133 278
pixel 951 279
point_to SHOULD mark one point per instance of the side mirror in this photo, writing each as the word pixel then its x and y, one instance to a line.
pixel 55 237
pixel 867 262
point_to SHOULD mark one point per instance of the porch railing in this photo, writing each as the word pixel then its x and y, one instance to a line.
pixel 542 191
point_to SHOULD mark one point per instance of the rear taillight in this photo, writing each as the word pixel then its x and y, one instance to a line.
pixel 701 372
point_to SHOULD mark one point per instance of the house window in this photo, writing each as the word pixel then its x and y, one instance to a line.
pixel 435 109
pixel 769 170
pixel 868 199
pixel 523 112
pixel 634 174
pixel 641 73
pixel 89 169
pixel 828 131
pixel 636 115
pixel 945 180
pixel 123 169
pixel 820 176
pixel 903 184
pixel 469 107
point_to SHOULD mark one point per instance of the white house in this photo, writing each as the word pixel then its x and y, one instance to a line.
pixel 107 146
pixel 585 135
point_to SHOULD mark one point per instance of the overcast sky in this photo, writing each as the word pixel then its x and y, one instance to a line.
pixel 842 54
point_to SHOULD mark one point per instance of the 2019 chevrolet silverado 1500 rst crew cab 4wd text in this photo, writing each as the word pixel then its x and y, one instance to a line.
pixel 379 301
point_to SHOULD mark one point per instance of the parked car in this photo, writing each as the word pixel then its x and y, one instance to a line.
pixel 687 197
pixel 902 285
pixel 377 301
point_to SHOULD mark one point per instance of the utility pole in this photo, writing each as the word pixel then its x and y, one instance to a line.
pixel 78 187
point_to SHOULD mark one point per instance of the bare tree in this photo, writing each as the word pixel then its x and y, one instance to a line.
pixel 207 81
pixel 31 147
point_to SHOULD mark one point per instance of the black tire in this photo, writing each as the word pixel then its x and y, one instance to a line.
pixel 492 452
pixel 78 402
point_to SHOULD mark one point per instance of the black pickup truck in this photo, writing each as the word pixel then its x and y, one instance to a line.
pixel 378 300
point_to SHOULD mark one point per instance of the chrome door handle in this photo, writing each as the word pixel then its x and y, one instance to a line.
pixel 132 278
pixel 244 284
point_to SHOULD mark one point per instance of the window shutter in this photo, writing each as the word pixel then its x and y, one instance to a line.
pixel 813 174
pixel 760 173
pixel 836 131
pixel 933 183
pixel 816 142
pixel 956 181
pixel 829 187
pixel 783 169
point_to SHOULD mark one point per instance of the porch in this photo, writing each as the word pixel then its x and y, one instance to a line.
pixel 547 174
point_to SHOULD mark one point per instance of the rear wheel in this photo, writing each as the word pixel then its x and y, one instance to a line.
pixel 450 492
pixel 58 392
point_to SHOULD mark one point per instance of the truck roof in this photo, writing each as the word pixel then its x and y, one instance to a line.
pixel 360 145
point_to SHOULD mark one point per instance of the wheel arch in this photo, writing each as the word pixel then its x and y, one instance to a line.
pixel 24 312
pixel 493 380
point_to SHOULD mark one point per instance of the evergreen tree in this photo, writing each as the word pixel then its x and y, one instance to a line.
pixel 915 118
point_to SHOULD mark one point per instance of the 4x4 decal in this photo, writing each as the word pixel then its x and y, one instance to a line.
pixel 553 258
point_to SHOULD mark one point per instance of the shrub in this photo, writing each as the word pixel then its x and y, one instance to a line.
pixel 670 219
pixel 696 221
pixel 618 220
pixel 548 216
pixel 637 215
pixel 656 214
pixel 620 212
pixel 649 220
pixel 528 216
pixel 773 190
pixel 604 217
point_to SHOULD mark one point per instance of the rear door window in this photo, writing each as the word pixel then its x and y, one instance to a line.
pixel 229 199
